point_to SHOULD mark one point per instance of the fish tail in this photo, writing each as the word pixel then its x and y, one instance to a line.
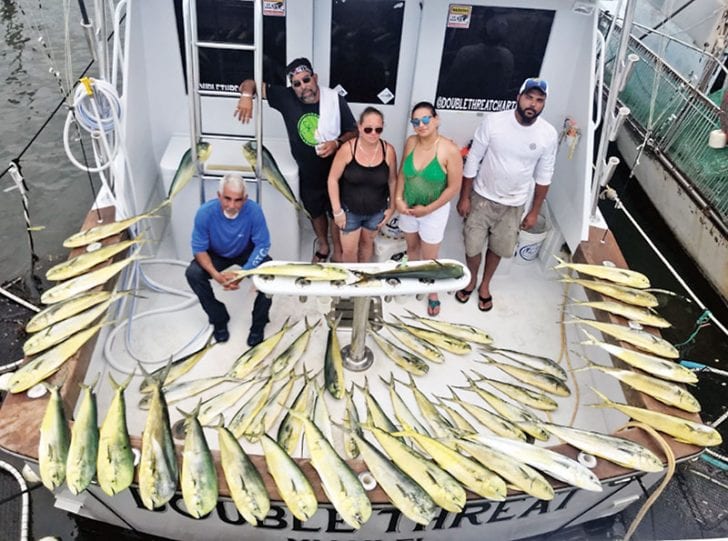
pixel 591 340
pixel 562 264
pixel 606 402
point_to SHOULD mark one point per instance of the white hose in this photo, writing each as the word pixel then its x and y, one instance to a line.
pixel 190 300
pixel 99 114
pixel 25 501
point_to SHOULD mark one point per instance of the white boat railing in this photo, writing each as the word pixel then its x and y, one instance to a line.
pixel 676 120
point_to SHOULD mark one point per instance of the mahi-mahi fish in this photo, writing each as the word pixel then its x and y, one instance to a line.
pixel 158 464
pixel 272 173
pixel 99 232
pixel 187 168
pixel 624 277
pixel 54 441
pixel 115 462
pixel 82 452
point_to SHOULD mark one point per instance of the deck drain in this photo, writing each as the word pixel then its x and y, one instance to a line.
pixel 367 480
pixel 585 459
pixel 178 430
pixel 36 391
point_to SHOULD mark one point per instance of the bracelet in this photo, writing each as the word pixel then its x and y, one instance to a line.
pixel 246 95
pixel 339 213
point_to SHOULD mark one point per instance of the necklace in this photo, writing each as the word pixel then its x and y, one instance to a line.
pixel 372 156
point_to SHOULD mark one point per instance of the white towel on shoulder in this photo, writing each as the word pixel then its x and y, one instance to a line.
pixel 329 115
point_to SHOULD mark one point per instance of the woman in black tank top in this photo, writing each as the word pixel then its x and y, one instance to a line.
pixel 361 187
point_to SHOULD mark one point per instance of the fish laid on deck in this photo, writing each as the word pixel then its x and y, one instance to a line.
pixel 403 491
pixel 554 464
pixel 245 484
pixel 79 284
pixel 677 427
pixel 58 332
pixel 198 477
pixel 621 451
pixel 536 378
pixel 657 366
pixel 416 345
pixel 248 361
pixel 50 361
pixel 158 464
pixel 629 295
pixel 664 391
pixel 293 486
pixel 334 362
pixel 619 276
pixel 100 232
pixel 638 338
pixel 83 450
pixel 115 462
pixel 70 307
pixel 54 441
pixel 81 263
pixel 462 331
pixel 630 312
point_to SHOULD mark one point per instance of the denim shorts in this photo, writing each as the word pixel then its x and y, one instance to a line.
pixel 355 221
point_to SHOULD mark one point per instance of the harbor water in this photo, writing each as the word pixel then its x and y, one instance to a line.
pixel 59 196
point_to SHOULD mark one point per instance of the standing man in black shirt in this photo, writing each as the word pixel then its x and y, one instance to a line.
pixel 318 121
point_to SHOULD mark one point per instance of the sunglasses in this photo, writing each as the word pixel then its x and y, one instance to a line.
pixel 424 120
pixel 369 129
pixel 299 82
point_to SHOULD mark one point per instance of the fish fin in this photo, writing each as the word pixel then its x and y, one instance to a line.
pixel 562 264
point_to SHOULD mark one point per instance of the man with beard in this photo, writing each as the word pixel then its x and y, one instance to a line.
pixel 229 230
pixel 512 156
pixel 318 121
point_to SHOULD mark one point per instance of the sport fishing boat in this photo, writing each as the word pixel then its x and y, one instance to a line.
pixel 169 84
pixel 673 144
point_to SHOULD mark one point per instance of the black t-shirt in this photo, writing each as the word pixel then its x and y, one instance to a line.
pixel 301 121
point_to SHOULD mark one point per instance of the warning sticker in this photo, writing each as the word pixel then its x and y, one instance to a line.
pixel 459 16
pixel 276 9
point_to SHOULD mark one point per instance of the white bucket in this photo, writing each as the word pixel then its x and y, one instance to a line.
pixel 529 242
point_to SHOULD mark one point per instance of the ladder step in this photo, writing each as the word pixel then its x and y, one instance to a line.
pixel 225 45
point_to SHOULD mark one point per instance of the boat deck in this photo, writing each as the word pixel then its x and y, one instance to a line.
pixel 528 310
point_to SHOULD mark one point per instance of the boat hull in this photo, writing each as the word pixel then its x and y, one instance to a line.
pixel 517 517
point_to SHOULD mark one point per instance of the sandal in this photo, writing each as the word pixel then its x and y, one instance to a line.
pixel 433 307
pixel 485 300
pixel 320 257
pixel 463 295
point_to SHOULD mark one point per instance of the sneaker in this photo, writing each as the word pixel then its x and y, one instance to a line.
pixel 221 333
pixel 255 338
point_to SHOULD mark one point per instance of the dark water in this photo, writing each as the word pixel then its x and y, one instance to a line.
pixel 709 346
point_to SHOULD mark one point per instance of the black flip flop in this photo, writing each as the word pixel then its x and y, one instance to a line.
pixel 465 295
pixel 483 300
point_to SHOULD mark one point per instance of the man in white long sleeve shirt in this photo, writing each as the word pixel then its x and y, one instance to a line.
pixel 512 156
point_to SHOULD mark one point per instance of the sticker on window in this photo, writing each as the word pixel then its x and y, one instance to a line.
pixel 385 96
pixel 275 9
pixel 459 16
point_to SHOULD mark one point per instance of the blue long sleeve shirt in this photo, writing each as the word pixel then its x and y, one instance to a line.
pixel 213 232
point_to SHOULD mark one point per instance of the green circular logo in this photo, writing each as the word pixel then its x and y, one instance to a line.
pixel 307 128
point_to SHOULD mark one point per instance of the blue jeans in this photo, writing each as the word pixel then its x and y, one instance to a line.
pixel 217 314
pixel 368 221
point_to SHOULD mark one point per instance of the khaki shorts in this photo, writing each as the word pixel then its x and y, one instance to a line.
pixel 492 222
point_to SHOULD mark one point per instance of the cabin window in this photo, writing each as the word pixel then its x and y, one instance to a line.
pixel 365 43
pixel 488 52
pixel 231 21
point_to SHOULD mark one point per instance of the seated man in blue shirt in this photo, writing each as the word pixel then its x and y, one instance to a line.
pixel 229 230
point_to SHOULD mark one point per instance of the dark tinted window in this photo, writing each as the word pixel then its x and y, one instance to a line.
pixel 487 54
pixel 365 41
pixel 231 21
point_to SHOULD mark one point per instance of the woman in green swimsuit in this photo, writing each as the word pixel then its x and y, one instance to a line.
pixel 429 178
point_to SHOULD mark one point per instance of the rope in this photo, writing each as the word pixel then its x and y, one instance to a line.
pixel 16 174
pixel 618 205
pixel 702 321
pixel 25 504
pixel 668 476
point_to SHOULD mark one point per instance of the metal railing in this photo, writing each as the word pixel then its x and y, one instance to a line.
pixel 679 126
